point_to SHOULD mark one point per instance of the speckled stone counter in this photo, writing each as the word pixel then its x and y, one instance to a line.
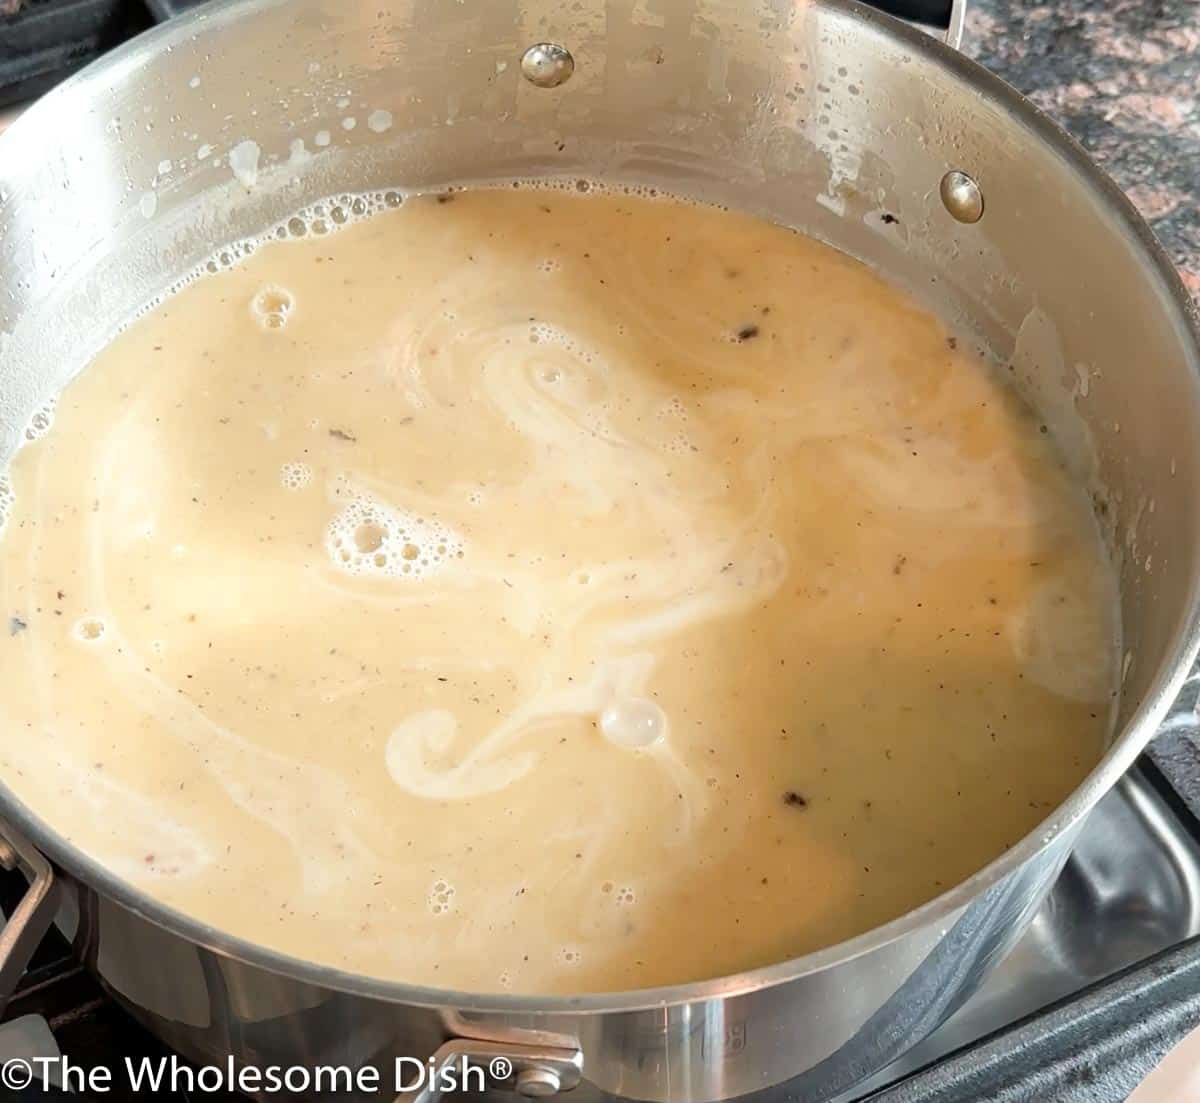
pixel 1123 76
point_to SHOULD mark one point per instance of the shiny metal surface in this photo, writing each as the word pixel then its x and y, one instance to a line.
pixel 465 1063
pixel 824 116
pixel 961 197
pixel 31 919
pixel 1130 890
pixel 538 1083
pixel 547 65
pixel 958 16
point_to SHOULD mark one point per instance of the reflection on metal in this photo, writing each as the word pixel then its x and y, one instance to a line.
pixel 954 33
pixel 961 196
pixel 530 1071
pixel 32 917
pixel 547 65
pixel 1130 890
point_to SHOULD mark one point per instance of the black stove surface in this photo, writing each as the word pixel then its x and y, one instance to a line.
pixel 43 41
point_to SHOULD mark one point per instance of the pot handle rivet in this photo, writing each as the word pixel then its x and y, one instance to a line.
pixel 547 64
pixel 536 1083
pixel 533 1071
pixel 961 197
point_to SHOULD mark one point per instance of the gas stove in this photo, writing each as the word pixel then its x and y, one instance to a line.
pixel 42 41
pixel 1106 979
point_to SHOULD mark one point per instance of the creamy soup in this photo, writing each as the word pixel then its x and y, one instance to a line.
pixel 528 590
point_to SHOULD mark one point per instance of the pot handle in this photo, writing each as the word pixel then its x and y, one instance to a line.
pixel 932 13
pixel 31 919
pixel 531 1071
pixel 943 16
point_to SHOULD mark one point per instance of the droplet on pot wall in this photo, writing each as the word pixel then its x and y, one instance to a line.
pixel 243 162
pixel 380 121
pixel 297 154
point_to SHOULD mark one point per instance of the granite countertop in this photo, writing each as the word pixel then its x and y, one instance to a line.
pixel 1123 76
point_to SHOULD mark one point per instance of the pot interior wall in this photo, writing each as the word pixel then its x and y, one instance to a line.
pixel 820 116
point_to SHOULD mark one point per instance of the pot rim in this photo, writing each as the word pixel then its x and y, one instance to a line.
pixel 944 908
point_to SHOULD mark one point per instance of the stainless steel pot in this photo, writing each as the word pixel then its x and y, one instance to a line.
pixel 824 115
